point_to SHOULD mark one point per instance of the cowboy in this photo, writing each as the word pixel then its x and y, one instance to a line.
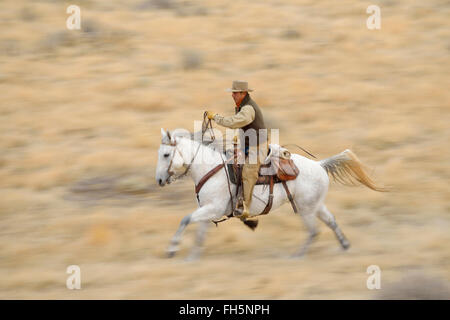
pixel 253 136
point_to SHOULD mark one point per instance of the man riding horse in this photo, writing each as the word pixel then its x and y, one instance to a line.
pixel 309 185
pixel 253 136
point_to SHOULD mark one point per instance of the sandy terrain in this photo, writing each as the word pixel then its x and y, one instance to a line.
pixel 81 113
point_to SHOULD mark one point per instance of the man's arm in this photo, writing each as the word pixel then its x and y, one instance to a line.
pixel 239 120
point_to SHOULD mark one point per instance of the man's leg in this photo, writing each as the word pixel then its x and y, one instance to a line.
pixel 249 177
pixel 250 173
pixel 250 170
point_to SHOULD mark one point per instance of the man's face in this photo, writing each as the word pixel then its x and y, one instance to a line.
pixel 238 96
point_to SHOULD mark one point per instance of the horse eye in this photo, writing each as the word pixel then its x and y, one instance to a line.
pixel 166 155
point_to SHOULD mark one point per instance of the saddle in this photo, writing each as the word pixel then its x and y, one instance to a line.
pixel 278 168
pixel 282 170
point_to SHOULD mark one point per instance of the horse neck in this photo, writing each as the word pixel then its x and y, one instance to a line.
pixel 204 160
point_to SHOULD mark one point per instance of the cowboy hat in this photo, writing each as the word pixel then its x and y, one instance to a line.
pixel 239 86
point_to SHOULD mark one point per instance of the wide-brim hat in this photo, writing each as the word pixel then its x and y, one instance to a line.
pixel 239 86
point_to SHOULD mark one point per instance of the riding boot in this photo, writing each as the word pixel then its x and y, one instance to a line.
pixel 241 210
pixel 245 213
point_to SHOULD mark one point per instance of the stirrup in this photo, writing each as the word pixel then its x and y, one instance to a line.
pixel 244 217
pixel 239 209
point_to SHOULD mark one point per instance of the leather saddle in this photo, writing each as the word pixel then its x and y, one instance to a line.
pixel 280 169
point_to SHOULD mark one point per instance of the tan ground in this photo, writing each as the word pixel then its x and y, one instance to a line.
pixel 81 113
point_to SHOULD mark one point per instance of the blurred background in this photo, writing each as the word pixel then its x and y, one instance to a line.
pixel 81 112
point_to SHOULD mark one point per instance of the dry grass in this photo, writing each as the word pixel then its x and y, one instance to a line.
pixel 416 286
pixel 80 123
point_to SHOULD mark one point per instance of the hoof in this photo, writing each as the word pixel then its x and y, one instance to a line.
pixel 345 245
pixel 297 256
pixel 171 254
pixel 191 258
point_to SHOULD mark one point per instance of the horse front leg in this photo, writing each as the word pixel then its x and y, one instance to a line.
pixel 203 214
pixel 174 243
pixel 199 240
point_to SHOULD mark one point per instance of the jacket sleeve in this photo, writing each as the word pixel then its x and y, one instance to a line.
pixel 239 120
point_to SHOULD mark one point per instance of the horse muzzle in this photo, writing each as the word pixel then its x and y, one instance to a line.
pixel 163 182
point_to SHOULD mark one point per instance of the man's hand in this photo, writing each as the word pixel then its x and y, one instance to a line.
pixel 210 115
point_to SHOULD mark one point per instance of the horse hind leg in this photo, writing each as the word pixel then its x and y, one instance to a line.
pixel 328 218
pixel 309 218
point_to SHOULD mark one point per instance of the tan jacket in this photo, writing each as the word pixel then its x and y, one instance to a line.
pixel 239 120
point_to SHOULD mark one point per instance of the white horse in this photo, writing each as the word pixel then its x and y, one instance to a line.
pixel 178 151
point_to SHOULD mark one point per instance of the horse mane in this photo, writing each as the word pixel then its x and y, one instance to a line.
pixel 207 140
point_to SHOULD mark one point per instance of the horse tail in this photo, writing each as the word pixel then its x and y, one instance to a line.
pixel 347 169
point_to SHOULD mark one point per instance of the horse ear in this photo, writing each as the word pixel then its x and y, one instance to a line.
pixel 165 133
pixel 269 154
pixel 165 136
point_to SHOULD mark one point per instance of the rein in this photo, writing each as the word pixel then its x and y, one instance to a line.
pixel 206 125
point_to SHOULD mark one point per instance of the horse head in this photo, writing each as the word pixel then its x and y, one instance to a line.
pixel 170 156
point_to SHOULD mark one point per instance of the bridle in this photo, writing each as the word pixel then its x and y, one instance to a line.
pixel 170 172
pixel 205 126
